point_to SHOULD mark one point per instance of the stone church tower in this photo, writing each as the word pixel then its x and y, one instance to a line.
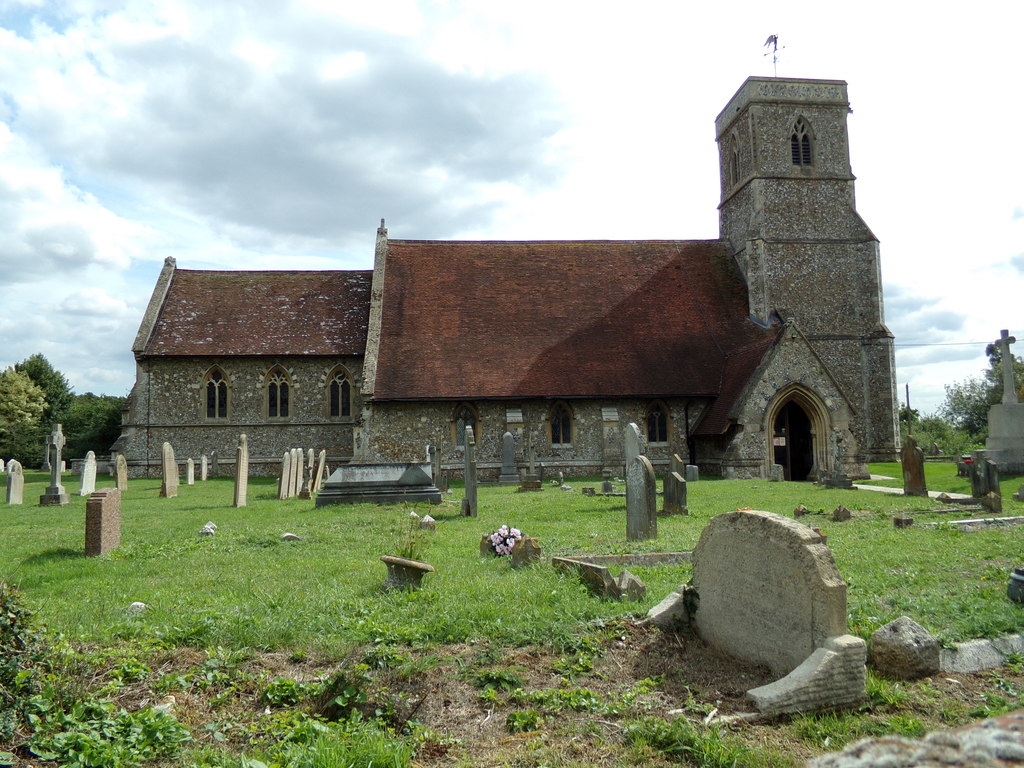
pixel 787 212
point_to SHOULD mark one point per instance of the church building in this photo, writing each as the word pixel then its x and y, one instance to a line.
pixel 765 346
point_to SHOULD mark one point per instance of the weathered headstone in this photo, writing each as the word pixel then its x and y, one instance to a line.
pixel 284 485
pixel 674 494
pixel 770 594
pixel 318 476
pixel 121 473
pixel 15 482
pixel 912 458
pixel 242 471
pixel 169 486
pixel 435 462
pixel 190 472
pixel 3 467
pixel 631 443
pixel 469 507
pixel 87 482
pixel 55 495
pixel 297 462
pixel 204 468
pixel 606 481
pixel 214 464
pixel 692 473
pixel 102 522
pixel 309 462
pixel 509 475
pixel 641 500
pixel 525 551
pixel 777 473
pixel 46 466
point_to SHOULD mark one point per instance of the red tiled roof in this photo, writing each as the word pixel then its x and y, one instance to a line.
pixel 263 313
pixel 740 364
pixel 472 320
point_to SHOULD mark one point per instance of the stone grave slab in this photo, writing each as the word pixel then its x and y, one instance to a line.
pixel 379 484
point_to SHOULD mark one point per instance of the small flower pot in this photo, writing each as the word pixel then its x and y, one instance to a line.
pixel 404 573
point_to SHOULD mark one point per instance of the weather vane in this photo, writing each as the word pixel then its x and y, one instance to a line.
pixel 773 41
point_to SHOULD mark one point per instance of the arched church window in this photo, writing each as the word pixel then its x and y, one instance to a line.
pixel 800 143
pixel 560 424
pixel 339 393
pixel 465 416
pixel 657 423
pixel 215 394
pixel 278 393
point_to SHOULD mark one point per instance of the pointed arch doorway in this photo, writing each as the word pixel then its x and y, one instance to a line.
pixel 793 442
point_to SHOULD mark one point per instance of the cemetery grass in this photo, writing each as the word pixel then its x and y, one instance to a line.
pixel 288 651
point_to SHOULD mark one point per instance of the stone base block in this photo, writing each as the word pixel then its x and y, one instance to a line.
pixel 833 676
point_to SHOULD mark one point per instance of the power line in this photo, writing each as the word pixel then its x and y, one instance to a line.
pixel 941 344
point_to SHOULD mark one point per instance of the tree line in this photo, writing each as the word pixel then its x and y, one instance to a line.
pixel 34 396
pixel 961 423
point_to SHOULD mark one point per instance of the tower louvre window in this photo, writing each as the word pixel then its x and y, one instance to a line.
pixel 800 143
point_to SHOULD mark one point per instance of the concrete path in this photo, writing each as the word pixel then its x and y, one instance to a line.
pixel 899 491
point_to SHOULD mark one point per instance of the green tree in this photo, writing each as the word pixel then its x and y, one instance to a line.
pixel 22 404
pixel 967 402
pixel 55 387
pixel 92 423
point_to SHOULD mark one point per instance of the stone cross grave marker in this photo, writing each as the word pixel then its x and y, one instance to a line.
pixel 102 522
pixel 284 486
pixel 913 468
pixel 469 507
pixel 169 466
pixel 204 468
pixel 55 495
pixel 190 472
pixel 121 473
pixel 15 482
pixel 87 481
pixel 641 500
pixel 242 471
pixel 1009 388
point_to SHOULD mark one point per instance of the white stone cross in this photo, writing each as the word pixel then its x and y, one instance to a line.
pixel 1009 388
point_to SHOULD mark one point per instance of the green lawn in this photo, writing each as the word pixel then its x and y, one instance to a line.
pixel 216 603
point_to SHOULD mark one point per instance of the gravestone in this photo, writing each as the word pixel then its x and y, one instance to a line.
pixel 435 462
pixel 631 444
pixel 837 477
pixel 1005 442
pixel 912 458
pixel 169 486
pixel 469 508
pixel 242 471
pixel 87 482
pixel 770 593
pixel 692 473
pixel 204 468
pixel 3 467
pixel 778 473
pixel 121 473
pixel 641 500
pixel 297 462
pixel 509 474
pixel 284 485
pixel 46 466
pixel 102 522
pixel 379 484
pixel 318 476
pixel 190 472
pixel 55 495
pixel 674 495
pixel 214 464
pixel 984 475
pixel 309 462
pixel 15 482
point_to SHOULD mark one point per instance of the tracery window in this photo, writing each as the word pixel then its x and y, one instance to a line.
pixel 800 143
pixel 278 393
pixel 657 423
pixel 339 393
pixel 560 424
pixel 215 394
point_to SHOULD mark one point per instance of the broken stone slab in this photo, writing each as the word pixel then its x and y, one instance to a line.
pixel 841 514
pixel 906 650
pixel 525 551
pixel 976 655
pixel 675 611
pixel 835 675
pixel 902 521
pixel 599 581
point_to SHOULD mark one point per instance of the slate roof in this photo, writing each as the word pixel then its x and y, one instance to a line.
pixel 612 319
pixel 223 313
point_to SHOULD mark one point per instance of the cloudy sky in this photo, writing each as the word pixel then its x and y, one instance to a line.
pixel 275 135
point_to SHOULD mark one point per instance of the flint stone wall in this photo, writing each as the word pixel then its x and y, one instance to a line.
pixel 770 592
